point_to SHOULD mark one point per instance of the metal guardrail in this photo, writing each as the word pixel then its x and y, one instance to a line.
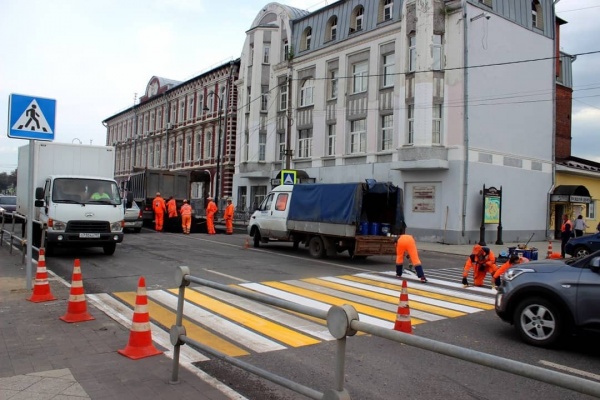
pixel 12 235
pixel 343 321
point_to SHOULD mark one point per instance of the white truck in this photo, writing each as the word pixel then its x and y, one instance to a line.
pixel 77 200
pixel 332 218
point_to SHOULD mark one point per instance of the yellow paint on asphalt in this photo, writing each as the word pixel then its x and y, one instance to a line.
pixel 415 305
pixel 166 318
pixel 361 308
pixel 420 292
pixel 266 327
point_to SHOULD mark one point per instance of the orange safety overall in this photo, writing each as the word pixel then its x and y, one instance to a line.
pixel 186 218
pixel 158 206
pixel 228 216
pixel 211 210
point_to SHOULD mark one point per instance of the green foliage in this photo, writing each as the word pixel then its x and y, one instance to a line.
pixel 8 182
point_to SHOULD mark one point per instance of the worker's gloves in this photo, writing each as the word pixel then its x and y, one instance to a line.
pixel 465 282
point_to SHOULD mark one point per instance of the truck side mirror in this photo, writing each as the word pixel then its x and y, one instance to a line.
pixel 39 203
pixel 39 193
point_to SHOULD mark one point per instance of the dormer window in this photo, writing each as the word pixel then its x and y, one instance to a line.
pixel 356 24
pixel 306 38
pixel 537 17
pixel 332 28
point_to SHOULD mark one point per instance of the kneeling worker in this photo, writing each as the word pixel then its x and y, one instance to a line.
pixel 512 261
pixel 482 260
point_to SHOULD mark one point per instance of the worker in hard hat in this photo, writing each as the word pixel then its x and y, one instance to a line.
pixel 186 217
pixel 228 217
pixel 482 260
pixel 211 210
pixel 159 207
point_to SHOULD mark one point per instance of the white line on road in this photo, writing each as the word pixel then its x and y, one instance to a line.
pixel 226 276
pixel 570 370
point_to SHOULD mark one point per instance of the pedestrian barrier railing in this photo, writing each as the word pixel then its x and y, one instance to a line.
pixel 8 233
pixel 343 321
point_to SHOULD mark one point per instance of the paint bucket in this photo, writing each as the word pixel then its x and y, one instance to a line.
pixel 374 228
pixel 364 228
pixel 385 229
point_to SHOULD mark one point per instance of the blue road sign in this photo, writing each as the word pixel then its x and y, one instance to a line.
pixel 31 117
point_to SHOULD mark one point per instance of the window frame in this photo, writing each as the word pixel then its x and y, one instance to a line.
pixel 307 91
pixel 388 70
pixel 387 132
pixel 358 136
pixel 437 49
pixel 331 128
pixel 283 97
pixel 410 121
pixel 412 53
pixel 437 114
pixel 360 78
pixel 305 137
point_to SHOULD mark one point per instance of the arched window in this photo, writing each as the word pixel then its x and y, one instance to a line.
pixel 537 16
pixel 306 38
pixel 385 10
pixel 356 23
pixel 331 33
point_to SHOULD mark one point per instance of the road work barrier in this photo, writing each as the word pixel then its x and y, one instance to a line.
pixel 343 321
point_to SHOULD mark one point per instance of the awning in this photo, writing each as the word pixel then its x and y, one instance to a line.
pixel 571 194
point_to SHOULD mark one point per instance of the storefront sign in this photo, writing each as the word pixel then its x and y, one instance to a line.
pixel 423 199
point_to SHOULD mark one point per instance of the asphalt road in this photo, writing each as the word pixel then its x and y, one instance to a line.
pixel 375 368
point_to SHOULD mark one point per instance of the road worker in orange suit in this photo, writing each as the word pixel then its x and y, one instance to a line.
pixel 512 261
pixel 482 261
pixel 171 213
pixel 159 208
pixel 211 210
pixel 406 244
pixel 186 217
pixel 228 216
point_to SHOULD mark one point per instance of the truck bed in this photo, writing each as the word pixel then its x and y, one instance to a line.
pixel 370 245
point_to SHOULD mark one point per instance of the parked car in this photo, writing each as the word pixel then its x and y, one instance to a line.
pixel 583 245
pixel 548 299
pixel 134 218
pixel 9 205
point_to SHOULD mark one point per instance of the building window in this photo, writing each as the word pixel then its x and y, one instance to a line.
pixel 208 141
pixel 258 194
pixel 537 16
pixel 333 83
pixel 180 150
pixel 151 128
pixel 410 117
pixel 359 77
pixel 262 146
pixel 306 38
pixel 306 93
pixel 188 148
pixel 157 154
pixel 286 50
pixel 281 146
pixel 436 52
pixel 389 69
pixel 174 113
pixel 486 3
pixel 242 198
pixel 246 149
pixel 385 10
pixel 331 33
pixel 248 99
pixel 198 152
pixel 200 105
pixel 283 96
pixel 264 98
pixel 412 53
pixel 159 120
pixel 266 54
pixel 191 108
pixel 305 143
pixel 331 140
pixel 251 58
pixel 590 211
pixel 387 131
pixel 356 23
pixel 436 132
pixel 181 110
pixel 151 155
pixel 358 136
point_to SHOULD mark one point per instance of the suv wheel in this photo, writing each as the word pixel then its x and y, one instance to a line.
pixel 581 251
pixel 538 322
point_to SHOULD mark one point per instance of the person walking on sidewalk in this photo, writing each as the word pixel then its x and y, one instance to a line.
pixel 211 210
pixel 580 226
pixel 565 233
pixel 406 244
pixel 482 260
pixel 159 208
pixel 228 216
pixel 186 217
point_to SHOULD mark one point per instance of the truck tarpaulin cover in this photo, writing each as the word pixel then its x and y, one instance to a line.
pixel 337 203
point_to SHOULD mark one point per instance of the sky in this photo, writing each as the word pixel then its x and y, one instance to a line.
pixel 96 56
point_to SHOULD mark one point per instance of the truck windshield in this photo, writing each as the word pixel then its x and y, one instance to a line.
pixel 85 191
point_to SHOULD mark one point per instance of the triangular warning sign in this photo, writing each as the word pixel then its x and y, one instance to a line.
pixel 288 179
pixel 32 120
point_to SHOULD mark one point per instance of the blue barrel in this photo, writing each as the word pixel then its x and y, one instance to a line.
pixel 364 228
pixel 374 228
pixel 385 229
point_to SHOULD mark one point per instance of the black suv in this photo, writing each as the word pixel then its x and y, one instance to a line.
pixel 546 299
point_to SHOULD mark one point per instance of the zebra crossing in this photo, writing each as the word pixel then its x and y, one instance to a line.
pixel 237 326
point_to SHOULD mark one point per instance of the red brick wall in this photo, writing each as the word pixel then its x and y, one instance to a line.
pixel 563 121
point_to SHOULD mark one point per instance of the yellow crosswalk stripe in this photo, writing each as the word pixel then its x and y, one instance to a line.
pixel 361 308
pixel 387 298
pixel 278 332
pixel 421 292
pixel 166 317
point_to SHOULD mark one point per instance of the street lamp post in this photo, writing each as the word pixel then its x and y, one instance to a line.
pixel 220 115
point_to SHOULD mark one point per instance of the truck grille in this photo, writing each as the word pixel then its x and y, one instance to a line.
pixel 88 226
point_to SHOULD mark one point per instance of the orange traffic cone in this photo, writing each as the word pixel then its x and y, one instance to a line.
pixel 403 323
pixel 140 337
pixel 549 249
pixel 41 287
pixel 77 306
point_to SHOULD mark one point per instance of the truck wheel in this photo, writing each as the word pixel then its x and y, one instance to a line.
pixel 316 247
pixel 296 244
pixel 109 249
pixel 257 238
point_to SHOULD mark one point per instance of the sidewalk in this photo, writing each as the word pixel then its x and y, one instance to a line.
pixel 46 358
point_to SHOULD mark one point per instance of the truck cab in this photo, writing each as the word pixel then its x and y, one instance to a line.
pixel 270 219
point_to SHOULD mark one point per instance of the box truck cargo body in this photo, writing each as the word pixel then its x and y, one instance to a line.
pixel 77 200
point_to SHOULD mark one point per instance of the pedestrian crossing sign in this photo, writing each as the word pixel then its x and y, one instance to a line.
pixel 31 117
pixel 288 177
